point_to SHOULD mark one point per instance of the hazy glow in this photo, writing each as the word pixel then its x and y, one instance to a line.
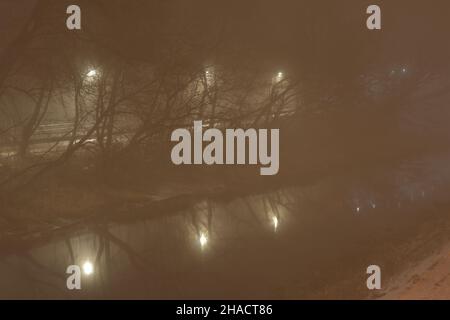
pixel 279 76
pixel 88 268
pixel 203 240
pixel 275 222
pixel 92 73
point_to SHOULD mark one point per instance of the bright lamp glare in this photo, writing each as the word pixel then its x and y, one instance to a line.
pixel 279 77
pixel 92 73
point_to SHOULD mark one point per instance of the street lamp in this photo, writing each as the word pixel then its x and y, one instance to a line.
pixel 279 76
pixel 91 73
pixel 209 75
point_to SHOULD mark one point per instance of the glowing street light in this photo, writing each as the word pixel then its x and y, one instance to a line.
pixel 209 75
pixel 88 268
pixel 277 77
pixel 92 73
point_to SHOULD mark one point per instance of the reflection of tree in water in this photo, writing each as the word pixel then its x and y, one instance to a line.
pixel 106 247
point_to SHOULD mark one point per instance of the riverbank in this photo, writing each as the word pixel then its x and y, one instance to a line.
pixel 426 279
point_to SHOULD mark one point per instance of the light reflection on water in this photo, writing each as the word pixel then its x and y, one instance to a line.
pixel 203 239
pixel 275 222
pixel 281 244
pixel 88 268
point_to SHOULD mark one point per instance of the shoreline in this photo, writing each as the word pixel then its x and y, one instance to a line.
pixel 427 279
